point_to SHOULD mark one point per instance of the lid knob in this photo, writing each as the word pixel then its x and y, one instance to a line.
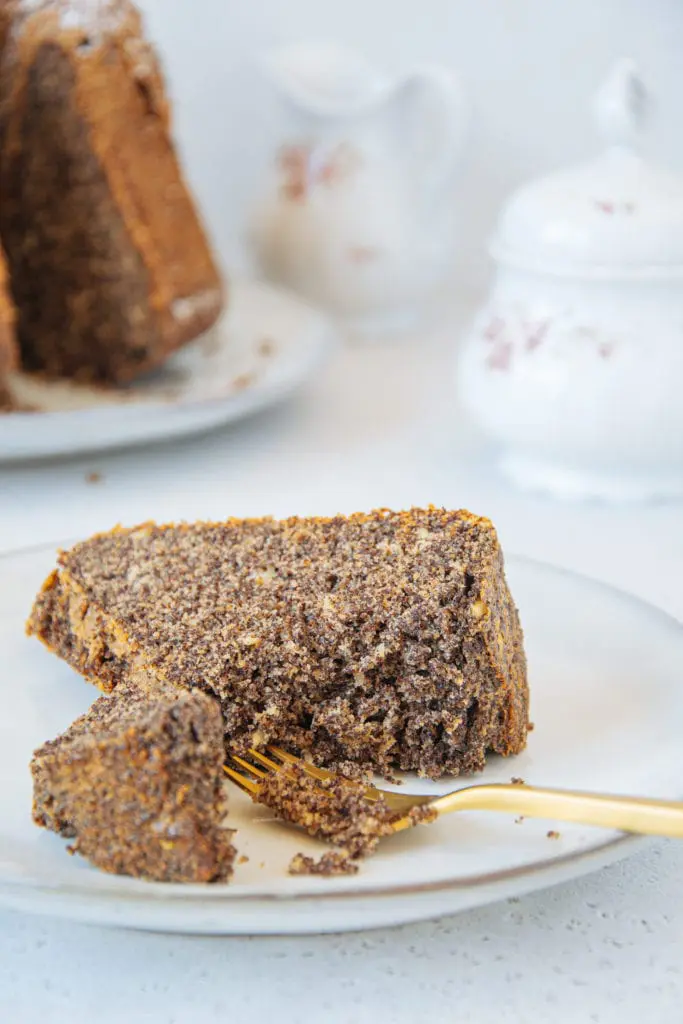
pixel 621 105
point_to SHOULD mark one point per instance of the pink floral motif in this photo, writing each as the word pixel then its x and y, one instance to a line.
pixel 500 357
pixel 494 328
pixel 505 339
pixel 604 206
pixel 293 162
pixel 341 164
pixel 500 350
pixel 363 254
pixel 610 208
pixel 535 333
pixel 301 170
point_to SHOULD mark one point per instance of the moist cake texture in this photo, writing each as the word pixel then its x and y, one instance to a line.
pixel 110 267
pixel 138 784
pixel 370 642
pixel 335 810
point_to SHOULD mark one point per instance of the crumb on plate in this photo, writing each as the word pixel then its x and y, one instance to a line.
pixel 335 810
pixel 333 862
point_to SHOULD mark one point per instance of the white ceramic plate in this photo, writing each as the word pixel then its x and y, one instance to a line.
pixel 606 674
pixel 265 346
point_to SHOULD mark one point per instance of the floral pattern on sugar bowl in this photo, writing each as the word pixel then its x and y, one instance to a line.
pixel 356 213
pixel 575 363
pixel 508 335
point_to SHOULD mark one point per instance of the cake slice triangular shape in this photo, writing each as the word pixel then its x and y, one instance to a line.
pixel 377 641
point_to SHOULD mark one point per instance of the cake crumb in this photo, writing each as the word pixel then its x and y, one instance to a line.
pixel 267 347
pixel 515 781
pixel 333 862
pixel 242 859
pixel 334 810
pixel 93 477
pixel 243 381
pixel 553 834
pixel 530 726
pixel 519 820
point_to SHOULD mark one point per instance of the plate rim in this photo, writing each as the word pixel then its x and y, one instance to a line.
pixel 104 887
pixel 316 342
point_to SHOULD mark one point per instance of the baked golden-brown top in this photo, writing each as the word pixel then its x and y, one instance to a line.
pixel 110 265
pixel 8 347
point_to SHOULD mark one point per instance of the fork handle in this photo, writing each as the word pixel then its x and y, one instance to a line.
pixel 626 813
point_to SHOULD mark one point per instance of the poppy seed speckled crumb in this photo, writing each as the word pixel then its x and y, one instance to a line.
pixel 332 862
pixel 138 785
pixel 335 810
pixel 374 642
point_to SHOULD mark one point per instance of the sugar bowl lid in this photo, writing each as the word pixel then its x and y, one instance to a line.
pixel 615 216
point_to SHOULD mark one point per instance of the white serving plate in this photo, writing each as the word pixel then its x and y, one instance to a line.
pixel 607 701
pixel 265 346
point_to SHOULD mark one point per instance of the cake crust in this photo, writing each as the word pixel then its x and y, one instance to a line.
pixel 370 642
pixel 8 347
pixel 111 270
pixel 138 785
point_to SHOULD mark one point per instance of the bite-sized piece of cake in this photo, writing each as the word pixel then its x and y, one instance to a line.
pixel 111 270
pixel 138 784
pixel 8 349
pixel 370 642
pixel 336 810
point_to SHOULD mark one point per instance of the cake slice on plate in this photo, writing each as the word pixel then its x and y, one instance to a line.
pixel 138 784
pixel 111 270
pixel 376 641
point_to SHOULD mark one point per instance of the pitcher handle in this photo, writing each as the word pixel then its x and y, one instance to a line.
pixel 438 112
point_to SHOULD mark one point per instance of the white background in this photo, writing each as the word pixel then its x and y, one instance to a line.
pixel 378 427
pixel 529 69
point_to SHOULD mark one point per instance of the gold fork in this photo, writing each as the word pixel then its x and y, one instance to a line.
pixel 642 815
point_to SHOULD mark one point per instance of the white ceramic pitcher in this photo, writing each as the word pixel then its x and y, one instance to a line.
pixel 356 214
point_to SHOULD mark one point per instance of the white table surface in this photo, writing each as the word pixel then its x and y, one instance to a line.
pixel 376 427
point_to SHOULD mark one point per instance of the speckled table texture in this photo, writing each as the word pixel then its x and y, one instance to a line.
pixel 606 949
pixel 377 428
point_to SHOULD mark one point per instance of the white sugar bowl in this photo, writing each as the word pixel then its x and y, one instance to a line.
pixel 575 364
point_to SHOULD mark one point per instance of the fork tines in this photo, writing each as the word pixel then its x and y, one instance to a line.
pixel 248 772
pixel 248 775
